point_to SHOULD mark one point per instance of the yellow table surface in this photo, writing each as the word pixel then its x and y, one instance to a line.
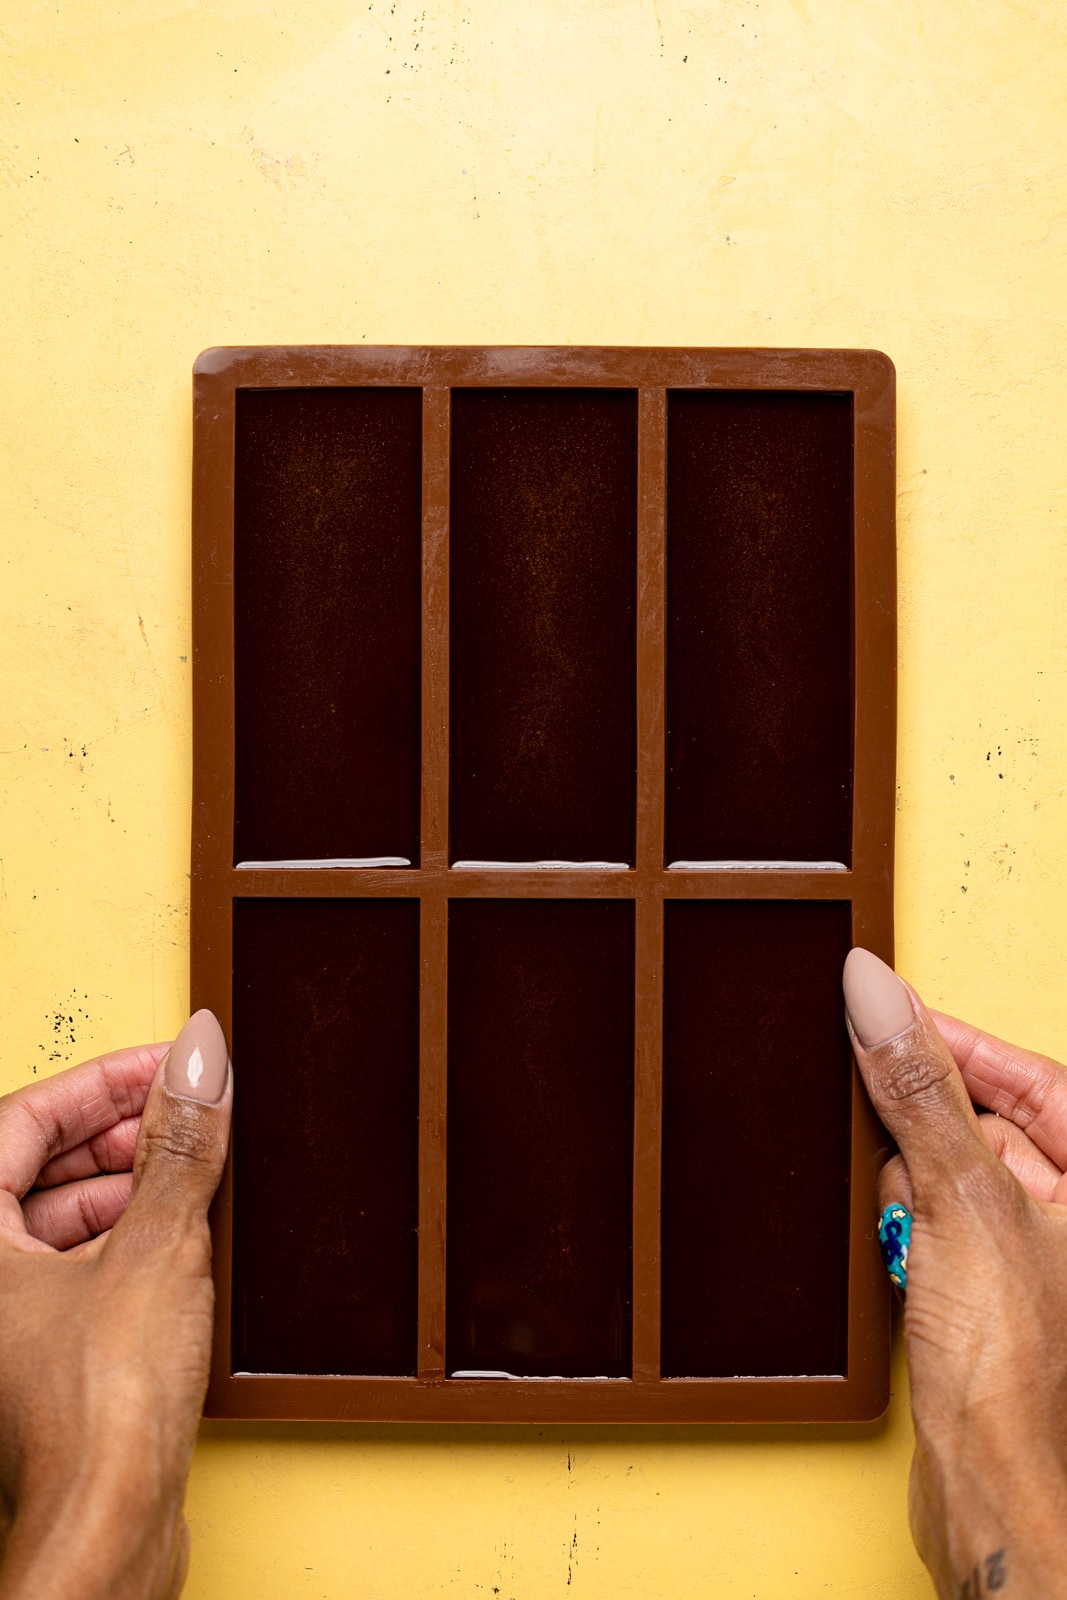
pixel 176 174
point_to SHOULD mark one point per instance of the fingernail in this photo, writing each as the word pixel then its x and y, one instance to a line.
pixel 198 1064
pixel 894 1238
pixel 876 1000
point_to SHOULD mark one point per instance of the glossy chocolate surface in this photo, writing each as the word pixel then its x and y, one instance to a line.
pixel 759 626
pixel 543 579
pixel 326 595
pixel 540 1136
pixel 325 1137
pixel 756 1124
pixel 514 605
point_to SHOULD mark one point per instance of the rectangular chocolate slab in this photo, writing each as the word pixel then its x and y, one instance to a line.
pixel 540 1137
pixel 326 1002
pixel 759 625
pixel 756 1069
pixel 543 546
pixel 327 497
pixel 544 732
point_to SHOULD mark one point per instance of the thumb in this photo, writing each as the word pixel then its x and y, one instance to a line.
pixel 185 1130
pixel 912 1080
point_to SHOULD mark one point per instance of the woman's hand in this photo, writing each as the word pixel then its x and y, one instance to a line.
pixel 1027 1094
pixel 985 1319
pixel 106 1303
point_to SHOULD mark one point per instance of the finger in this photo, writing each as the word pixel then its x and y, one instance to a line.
pixel 894 1192
pixel 894 1185
pixel 1038 1175
pixel 1030 1090
pixel 181 1148
pixel 44 1120
pixel 12 1222
pixel 111 1151
pixel 76 1212
pixel 912 1080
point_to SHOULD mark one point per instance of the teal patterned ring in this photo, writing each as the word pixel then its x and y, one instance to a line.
pixel 894 1237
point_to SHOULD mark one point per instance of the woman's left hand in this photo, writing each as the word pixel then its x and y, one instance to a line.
pixel 106 1305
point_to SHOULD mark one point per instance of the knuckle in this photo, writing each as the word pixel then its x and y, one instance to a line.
pixel 994 1131
pixel 912 1074
pixel 188 1246
pixel 893 1180
pixel 181 1138
pixel 89 1214
pixel 988 1189
pixel 169 1237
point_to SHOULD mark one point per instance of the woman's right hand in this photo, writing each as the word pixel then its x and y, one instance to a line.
pixel 1025 1096
pixel 985 1320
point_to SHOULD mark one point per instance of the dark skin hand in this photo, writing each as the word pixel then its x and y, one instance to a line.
pixel 106 1307
pixel 985 1319
pixel 106 1310
pixel 1025 1096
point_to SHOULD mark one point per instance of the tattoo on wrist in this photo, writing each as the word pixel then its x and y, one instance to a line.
pixel 986 1577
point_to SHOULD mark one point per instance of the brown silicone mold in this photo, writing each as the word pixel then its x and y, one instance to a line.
pixel 544 736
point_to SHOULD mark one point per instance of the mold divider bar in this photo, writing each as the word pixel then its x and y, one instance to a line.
pixel 436 440
pixel 872 927
pixel 648 1116
pixel 648 989
pixel 211 966
pixel 433 1079
pixel 651 627
pixel 211 904
pixel 433 919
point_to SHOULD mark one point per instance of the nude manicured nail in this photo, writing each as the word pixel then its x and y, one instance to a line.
pixel 197 1067
pixel 877 1002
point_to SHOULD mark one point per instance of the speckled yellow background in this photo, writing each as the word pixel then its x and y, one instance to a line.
pixel 792 172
